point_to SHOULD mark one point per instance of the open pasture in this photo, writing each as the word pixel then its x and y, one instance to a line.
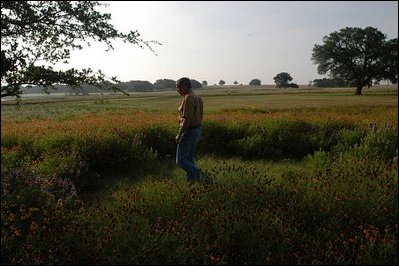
pixel 304 176
pixel 216 98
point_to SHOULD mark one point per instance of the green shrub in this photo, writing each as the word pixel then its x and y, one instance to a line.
pixel 159 139
pixel 219 139
pixel 349 138
pixel 14 158
pixel 276 140
pixel 381 144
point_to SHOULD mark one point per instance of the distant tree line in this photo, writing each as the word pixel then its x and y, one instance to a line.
pixel 325 82
pixel 282 81
pixel 129 86
pixel 334 83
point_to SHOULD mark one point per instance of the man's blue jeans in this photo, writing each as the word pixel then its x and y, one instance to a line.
pixel 185 153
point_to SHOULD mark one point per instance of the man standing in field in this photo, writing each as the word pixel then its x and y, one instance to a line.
pixel 190 118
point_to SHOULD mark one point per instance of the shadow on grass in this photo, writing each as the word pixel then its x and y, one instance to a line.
pixel 162 168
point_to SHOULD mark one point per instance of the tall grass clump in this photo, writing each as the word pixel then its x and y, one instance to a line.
pixel 277 140
pixel 84 159
pixel 274 139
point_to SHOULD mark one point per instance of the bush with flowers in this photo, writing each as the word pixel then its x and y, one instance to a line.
pixel 35 214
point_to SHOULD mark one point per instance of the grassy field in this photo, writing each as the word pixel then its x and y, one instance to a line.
pixel 216 99
pixel 300 176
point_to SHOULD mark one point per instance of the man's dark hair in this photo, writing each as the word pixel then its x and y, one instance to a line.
pixel 185 82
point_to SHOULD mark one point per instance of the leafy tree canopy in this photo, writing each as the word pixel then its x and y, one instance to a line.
pixel 282 79
pixel 195 84
pixel 357 56
pixel 37 34
pixel 255 82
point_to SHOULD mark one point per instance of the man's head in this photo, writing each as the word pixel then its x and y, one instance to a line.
pixel 183 86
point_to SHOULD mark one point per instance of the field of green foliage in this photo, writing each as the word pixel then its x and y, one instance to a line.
pixel 299 176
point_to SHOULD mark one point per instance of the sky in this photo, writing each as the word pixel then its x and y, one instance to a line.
pixel 229 40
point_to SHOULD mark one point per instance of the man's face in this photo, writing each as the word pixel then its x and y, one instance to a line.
pixel 180 89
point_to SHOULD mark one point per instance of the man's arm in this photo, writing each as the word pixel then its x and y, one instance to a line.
pixel 187 116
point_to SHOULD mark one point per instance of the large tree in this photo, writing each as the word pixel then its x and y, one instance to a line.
pixel 282 79
pixel 358 56
pixel 195 84
pixel 35 35
pixel 255 82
